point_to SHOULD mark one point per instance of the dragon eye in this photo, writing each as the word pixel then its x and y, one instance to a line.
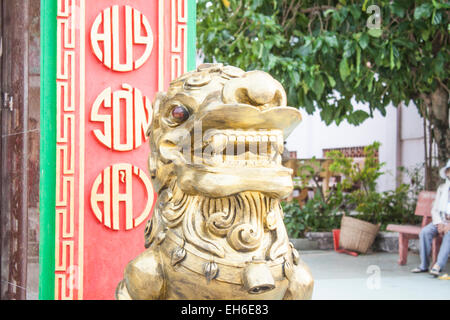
pixel 180 114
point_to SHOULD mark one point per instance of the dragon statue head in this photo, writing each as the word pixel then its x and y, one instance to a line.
pixel 216 141
pixel 219 131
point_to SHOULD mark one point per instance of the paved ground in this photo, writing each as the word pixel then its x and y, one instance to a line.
pixel 372 276
pixel 341 277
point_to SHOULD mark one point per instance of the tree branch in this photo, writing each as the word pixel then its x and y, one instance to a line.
pixel 294 15
pixel 318 8
pixel 443 85
pixel 286 13
pixel 240 27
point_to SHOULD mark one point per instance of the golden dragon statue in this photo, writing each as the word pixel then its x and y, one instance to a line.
pixel 217 229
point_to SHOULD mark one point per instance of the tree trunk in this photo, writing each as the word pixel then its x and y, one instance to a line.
pixel 435 110
pixel 440 121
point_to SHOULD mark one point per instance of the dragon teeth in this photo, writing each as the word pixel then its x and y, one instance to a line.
pixel 240 149
pixel 218 142
pixel 245 148
pixel 280 143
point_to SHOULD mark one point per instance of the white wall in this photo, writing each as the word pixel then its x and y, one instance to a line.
pixel 412 143
pixel 313 135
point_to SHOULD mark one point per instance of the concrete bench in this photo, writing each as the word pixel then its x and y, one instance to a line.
pixel 407 232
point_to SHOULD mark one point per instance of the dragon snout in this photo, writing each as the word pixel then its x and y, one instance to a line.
pixel 255 88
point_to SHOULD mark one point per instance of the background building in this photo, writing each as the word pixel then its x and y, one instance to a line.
pixel 400 133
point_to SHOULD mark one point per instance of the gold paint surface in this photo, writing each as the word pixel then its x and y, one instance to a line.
pixel 217 230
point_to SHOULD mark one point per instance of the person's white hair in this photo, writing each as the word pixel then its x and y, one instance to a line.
pixel 443 169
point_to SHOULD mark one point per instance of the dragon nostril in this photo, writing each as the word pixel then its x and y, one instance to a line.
pixel 266 97
pixel 259 98
pixel 255 88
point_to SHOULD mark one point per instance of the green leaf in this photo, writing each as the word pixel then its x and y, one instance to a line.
pixel 305 87
pixel 268 43
pixel 425 34
pixel 349 49
pixel 331 81
pixel 391 58
pixel 305 50
pixel 296 78
pixel 256 4
pixel 327 115
pixel 364 41
pixel 438 5
pixel 376 33
pixel 272 61
pixel 318 44
pixel 436 18
pixel 359 116
pixel 211 36
pixel 327 12
pixel 358 60
pixel 423 11
pixel 309 105
pixel 318 86
pixel 397 10
pixel 370 84
pixel 331 41
pixel 356 36
pixel 344 70
pixel 309 79
pixel 355 12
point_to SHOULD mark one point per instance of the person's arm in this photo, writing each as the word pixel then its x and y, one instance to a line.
pixel 435 216
pixel 446 228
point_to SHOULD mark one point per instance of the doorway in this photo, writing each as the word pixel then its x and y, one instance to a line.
pixel 19 159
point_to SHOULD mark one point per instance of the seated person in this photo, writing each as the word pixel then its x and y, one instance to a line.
pixel 440 214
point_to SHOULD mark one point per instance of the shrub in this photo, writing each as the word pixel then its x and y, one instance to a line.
pixel 393 206
pixel 323 212
pixel 315 216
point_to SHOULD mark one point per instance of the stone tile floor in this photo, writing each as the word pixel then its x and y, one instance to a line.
pixel 372 276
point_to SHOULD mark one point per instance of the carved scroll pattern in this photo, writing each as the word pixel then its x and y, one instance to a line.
pixel 241 220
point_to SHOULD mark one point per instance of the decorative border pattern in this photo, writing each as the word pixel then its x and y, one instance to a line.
pixel 65 150
pixel 178 31
pixel 81 142
pixel 182 14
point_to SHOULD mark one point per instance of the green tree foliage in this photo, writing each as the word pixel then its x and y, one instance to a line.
pixel 327 53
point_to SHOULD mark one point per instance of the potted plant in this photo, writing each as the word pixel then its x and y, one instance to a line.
pixel 359 180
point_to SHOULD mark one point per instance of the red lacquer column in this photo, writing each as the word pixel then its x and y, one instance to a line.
pixel 112 57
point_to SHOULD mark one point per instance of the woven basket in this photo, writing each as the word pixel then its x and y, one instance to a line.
pixel 357 235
